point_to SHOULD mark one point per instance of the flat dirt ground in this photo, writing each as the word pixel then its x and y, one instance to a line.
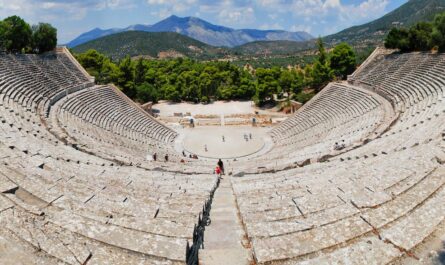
pixel 215 120
pixel 234 144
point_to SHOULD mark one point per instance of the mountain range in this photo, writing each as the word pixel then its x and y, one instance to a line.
pixel 151 45
pixel 201 30
pixel 373 32
pixel 362 37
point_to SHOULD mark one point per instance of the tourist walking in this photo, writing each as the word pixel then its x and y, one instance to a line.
pixel 218 171
pixel 221 166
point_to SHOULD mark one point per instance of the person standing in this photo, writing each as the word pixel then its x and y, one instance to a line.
pixel 218 171
pixel 221 166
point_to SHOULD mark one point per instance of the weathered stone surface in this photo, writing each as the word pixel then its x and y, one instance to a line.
pixel 369 250
pixel 75 186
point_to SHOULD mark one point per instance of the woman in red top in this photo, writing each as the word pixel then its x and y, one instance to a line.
pixel 218 171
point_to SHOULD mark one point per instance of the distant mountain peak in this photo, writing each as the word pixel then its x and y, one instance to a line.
pixel 199 29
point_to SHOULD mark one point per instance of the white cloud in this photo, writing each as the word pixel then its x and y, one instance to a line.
pixel 170 7
pixel 58 9
pixel 8 7
pixel 331 4
pixel 319 17
pixel 306 28
pixel 163 13
pixel 320 8
pixel 367 9
pixel 237 16
pixel 230 13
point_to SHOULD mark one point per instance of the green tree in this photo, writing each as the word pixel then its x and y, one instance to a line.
pixel 342 60
pixel 246 88
pixel 91 59
pixel 15 34
pixel 3 40
pixel 299 82
pixel 267 84
pixel 126 77
pixel 398 39
pixel 188 84
pixel 438 34
pixel 286 82
pixel 147 92
pixel 171 93
pixel 206 86
pixel 44 37
pixel 109 72
pixel 308 75
pixel 321 71
pixel 420 37
pixel 139 72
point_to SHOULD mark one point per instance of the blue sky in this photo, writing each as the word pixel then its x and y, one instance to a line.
pixel 318 17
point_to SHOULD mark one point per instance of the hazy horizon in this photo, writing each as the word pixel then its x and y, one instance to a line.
pixel 317 17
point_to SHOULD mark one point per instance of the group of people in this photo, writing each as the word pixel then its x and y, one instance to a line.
pixel 338 146
pixel 219 170
pixel 192 156
pixel 155 157
pixel 247 137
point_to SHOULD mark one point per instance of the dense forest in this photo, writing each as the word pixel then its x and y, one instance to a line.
pixel 422 36
pixel 184 79
pixel 18 36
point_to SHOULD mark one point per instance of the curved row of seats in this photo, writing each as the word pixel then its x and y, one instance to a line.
pixel 340 113
pixel 64 199
pixel 405 78
pixel 59 204
pixel 31 79
pixel 104 116
pixel 376 203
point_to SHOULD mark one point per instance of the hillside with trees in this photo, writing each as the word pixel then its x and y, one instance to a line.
pixel 198 29
pixel 374 32
pixel 266 54
pixel 274 47
pixel 184 79
pixel 423 36
pixel 151 45
pixel 18 36
pixel 362 38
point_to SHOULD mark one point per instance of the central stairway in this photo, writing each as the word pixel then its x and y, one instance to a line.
pixel 225 241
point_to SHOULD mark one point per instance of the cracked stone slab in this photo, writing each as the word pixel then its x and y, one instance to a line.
pixel 411 230
pixel 369 250
pixel 6 184
pixel 305 242
pixel 158 246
